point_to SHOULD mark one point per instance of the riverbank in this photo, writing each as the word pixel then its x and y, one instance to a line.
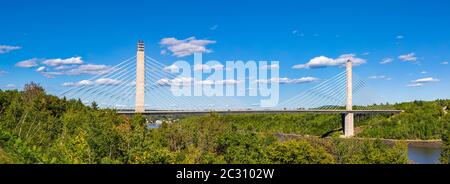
pixel 436 143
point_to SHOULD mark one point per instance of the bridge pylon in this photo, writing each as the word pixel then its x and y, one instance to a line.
pixel 140 78
pixel 349 117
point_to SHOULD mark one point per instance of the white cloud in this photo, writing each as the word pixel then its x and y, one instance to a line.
pixel 7 48
pixel 425 80
pixel 377 77
pixel 298 33
pixel 10 86
pixel 365 54
pixel 172 68
pixel 3 72
pixel 102 81
pixel 50 74
pixel 80 83
pixel 386 61
pixel 68 61
pixel 445 63
pixel 408 57
pixel 64 67
pixel 380 77
pixel 272 66
pixel 415 85
pixel 163 52
pixel 107 81
pixel 89 69
pixel 423 72
pixel 322 61
pixel 399 37
pixel 421 82
pixel 317 62
pixel 201 67
pixel 212 28
pixel 27 63
pixel 176 81
pixel 40 69
pixel 186 47
pixel 47 75
pixel 286 80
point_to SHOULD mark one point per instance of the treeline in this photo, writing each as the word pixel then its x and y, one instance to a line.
pixel 421 120
pixel 40 128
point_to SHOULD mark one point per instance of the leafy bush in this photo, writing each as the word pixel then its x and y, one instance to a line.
pixel 298 152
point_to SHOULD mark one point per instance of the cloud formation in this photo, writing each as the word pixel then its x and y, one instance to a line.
pixel 408 57
pixel 9 86
pixel 212 28
pixel 415 85
pixel 41 69
pixel 172 68
pixel 202 67
pixel 107 81
pixel 89 69
pixel 380 77
pixel 386 61
pixel 68 61
pixel 426 80
pixel 186 47
pixel 322 61
pixel 27 63
pixel 3 72
pixel 179 81
pixel 102 81
pixel 286 80
pixel 80 83
pixel 7 48
pixel 422 81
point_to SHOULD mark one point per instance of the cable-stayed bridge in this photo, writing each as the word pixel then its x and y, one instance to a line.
pixel 141 84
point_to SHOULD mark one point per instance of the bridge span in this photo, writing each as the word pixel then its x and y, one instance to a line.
pixel 269 111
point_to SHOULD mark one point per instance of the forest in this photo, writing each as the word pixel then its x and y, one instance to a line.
pixel 39 128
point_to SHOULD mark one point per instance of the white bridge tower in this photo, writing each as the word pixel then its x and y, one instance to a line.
pixel 140 78
pixel 349 117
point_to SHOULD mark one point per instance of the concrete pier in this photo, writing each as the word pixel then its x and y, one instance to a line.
pixel 349 117
pixel 140 78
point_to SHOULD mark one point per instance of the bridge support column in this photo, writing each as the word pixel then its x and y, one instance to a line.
pixel 349 117
pixel 140 78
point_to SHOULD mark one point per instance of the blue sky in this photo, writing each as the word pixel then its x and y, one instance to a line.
pixel 412 36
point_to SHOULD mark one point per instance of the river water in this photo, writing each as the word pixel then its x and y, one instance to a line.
pixel 423 155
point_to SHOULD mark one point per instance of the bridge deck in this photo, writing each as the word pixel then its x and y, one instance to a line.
pixel 162 113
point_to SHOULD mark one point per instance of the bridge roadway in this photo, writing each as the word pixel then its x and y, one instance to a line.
pixel 182 112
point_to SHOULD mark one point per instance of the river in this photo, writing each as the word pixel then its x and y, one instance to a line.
pixel 418 154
